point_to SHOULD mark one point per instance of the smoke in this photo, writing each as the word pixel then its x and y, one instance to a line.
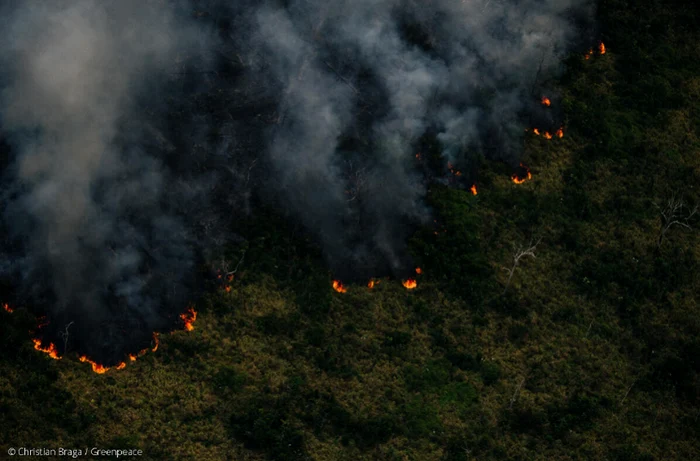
pixel 94 236
pixel 133 132
pixel 364 80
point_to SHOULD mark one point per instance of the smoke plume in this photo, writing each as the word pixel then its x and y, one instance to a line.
pixel 134 130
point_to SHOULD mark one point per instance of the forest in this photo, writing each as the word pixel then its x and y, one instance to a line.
pixel 555 315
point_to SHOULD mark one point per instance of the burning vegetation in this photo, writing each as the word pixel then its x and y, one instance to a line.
pixel 410 284
pixel 50 349
pixel 519 179
pixel 601 51
pixel 546 101
pixel 7 308
pixel 338 286
pixel 189 317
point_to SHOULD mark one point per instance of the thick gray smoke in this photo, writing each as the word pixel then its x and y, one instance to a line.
pixel 102 244
pixel 130 133
pixel 383 73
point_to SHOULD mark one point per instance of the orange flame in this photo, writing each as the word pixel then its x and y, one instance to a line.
pixel 601 48
pixel 371 283
pixel 51 349
pixel 7 308
pixel 536 131
pixel 589 54
pixel 96 367
pixel 419 270
pixel 189 317
pixel 546 102
pixel 473 189
pixel 132 357
pixel 155 338
pixel 121 365
pixel 518 180
pixel 547 135
pixel 410 283
pixel 227 288
pixel 337 286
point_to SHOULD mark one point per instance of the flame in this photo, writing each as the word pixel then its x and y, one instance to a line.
pixel 121 365
pixel 473 189
pixel 546 102
pixel 227 288
pixel 96 367
pixel 189 317
pixel 547 135
pixel 601 48
pixel 7 308
pixel 518 180
pixel 536 131
pixel 410 283
pixel 155 338
pixel 371 283
pixel 589 54
pixel 560 133
pixel 132 357
pixel 51 349
pixel 42 323
pixel 419 270
pixel 337 286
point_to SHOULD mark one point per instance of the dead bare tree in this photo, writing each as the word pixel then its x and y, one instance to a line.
pixel 515 394
pixel 519 254
pixel 628 392
pixel 64 335
pixel 674 212
pixel 225 265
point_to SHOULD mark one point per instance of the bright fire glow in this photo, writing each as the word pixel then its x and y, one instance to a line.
pixel 51 349
pixel 518 180
pixel 536 131
pixel 547 135
pixel 410 283
pixel 473 189
pixel 419 270
pixel 371 283
pixel 189 317
pixel 7 308
pixel 96 367
pixel 157 341
pixel 560 133
pixel 589 54
pixel 121 365
pixel 337 286
pixel 546 102
pixel 601 48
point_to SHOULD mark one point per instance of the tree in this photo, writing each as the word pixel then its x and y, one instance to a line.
pixel 520 253
pixel 673 213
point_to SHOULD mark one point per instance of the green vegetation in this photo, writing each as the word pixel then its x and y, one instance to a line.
pixel 593 351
